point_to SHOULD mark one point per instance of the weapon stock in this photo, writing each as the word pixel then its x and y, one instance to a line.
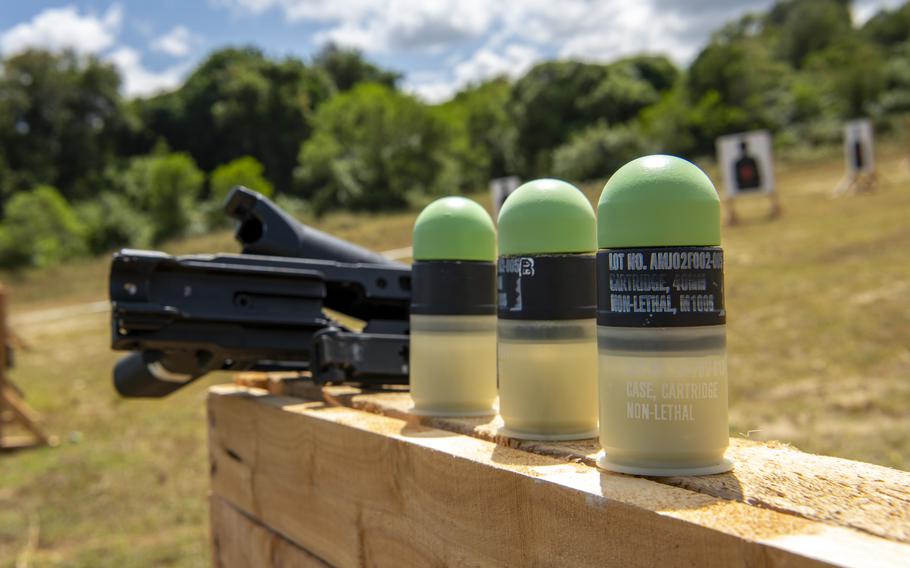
pixel 264 229
pixel 186 316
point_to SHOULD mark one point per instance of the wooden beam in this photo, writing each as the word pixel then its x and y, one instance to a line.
pixel 356 488
pixel 238 540
pixel 771 475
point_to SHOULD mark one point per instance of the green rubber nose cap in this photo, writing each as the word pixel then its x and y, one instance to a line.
pixel 658 201
pixel 546 216
pixel 454 228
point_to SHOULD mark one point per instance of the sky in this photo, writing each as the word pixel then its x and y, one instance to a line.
pixel 438 45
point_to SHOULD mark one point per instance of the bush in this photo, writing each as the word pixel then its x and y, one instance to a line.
pixel 246 171
pixel 481 137
pixel 371 149
pixel 111 223
pixel 296 207
pixel 40 229
pixel 677 126
pixel 852 71
pixel 165 186
pixel 597 152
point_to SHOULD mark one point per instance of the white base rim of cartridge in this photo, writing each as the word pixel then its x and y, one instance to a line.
pixel 446 414
pixel 722 467
pixel 508 433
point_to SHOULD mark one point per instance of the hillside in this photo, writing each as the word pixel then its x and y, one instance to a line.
pixel 84 169
pixel 819 324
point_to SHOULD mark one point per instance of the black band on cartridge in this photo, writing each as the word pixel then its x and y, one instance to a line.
pixel 547 287
pixel 453 287
pixel 660 287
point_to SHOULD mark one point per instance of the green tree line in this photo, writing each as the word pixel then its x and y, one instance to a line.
pixel 84 171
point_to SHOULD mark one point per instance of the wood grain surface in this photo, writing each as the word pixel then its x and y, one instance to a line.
pixel 358 488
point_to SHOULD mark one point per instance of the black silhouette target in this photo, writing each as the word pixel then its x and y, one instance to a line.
pixel 746 162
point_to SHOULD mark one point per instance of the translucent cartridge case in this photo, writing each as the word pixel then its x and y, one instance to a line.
pixel 548 374
pixel 663 400
pixel 453 365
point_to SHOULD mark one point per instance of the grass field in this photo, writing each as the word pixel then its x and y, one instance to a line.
pixel 819 356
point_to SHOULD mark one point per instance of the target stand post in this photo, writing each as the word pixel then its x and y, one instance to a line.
pixel 13 409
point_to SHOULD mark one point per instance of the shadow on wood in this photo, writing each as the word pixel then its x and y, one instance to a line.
pixel 381 488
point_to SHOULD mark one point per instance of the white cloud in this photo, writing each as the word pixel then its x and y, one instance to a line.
pixel 177 42
pixel 598 30
pixel 56 29
pixel 300 10
pixel 514 35
pixel 635 27
pixel 594 28
pixel 534 29
pixel 865 9
pixel 513 61
pixel 139 81
pixel 485 63
pixel 64 28
pixel 431 87
pixel 385 25
pixel 410 24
